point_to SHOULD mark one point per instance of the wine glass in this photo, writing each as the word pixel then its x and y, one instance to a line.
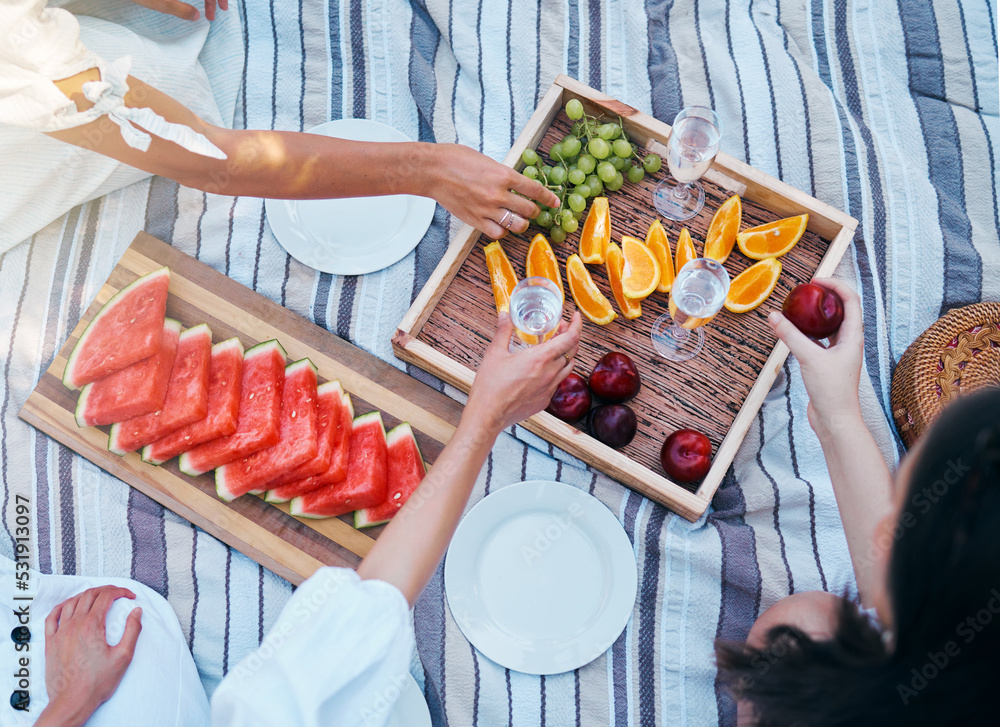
pixel 536 308
pixel 698 292
pixel 691 147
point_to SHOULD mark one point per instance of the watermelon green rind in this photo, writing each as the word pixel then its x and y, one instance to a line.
pixel 72 381
pixel 114 437
pixel 261 349
pixel 364 518
pixel 218 349
pixel 297 503
pixel 81 405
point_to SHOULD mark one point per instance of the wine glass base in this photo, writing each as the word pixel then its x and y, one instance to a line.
pixel 678 209
pixel 673 342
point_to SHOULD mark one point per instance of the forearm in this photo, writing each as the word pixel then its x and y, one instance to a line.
pixel 63 714
pixel 277 164
pixel 407 553
pixel 862 485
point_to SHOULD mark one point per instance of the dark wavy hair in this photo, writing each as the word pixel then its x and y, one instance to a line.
pixel 942 665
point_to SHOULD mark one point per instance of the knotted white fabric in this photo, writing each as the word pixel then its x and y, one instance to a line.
pixel 108 96
pixel 42 46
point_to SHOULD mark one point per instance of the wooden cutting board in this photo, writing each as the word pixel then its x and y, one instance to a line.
pixel 290 547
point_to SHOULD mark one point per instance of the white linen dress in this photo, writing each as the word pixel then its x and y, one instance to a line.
pixel 335 656
pixel 197 63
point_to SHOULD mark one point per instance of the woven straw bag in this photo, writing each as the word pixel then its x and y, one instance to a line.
pixel 956 355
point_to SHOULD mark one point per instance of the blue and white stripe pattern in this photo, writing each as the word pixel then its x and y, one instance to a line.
pixel 887 110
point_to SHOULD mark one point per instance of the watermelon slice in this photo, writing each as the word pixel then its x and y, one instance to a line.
pixel 126 330
pixel 406 470
pixel 134 390
pixel 224 376
pixel 297 442
pixel 342 422
pixel 187 396
pixel 330 400
pixel 367 475
pixel 260 409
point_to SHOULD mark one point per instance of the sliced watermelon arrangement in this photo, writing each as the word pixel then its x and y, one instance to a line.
pixel 367 475
pixel 341 422
pixel 134 390
pixel 126 330
pixel 296 439
pixel 261 424
pixel 260 409
pixel 335 416
pixel 186 401
pixel 406 470
pixel 225 374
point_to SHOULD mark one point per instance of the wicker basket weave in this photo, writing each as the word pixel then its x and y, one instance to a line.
pixel 956 355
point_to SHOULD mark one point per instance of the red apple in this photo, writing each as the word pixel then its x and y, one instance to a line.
pixel 814 310
pixel 612 424
pixel 615 378
pixel 686 455
pixel 571 400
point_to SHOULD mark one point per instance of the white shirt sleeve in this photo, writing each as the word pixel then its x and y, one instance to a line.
pixel 337 655
pixel 41 45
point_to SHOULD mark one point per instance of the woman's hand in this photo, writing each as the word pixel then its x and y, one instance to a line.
pixel 81 670
pixel 510 387
pixel 477 190
pixel 183 10
pixel 831 374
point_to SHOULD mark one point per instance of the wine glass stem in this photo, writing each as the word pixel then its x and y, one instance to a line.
pixel 682 191
pixel 678 333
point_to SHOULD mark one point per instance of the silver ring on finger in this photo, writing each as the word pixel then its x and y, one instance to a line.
pixel 507 220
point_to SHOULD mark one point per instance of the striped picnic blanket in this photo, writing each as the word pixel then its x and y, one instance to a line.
pixel 887 110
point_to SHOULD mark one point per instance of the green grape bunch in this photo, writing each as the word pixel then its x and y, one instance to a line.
pixel 595 156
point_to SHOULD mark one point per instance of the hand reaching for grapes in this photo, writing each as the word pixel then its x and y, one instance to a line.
pixel 480 191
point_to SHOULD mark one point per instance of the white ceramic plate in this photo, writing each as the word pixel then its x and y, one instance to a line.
pixel 541 577
pixel 351 236
pixel 410 709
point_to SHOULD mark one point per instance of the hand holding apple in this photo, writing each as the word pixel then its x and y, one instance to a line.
pixel 831 374
pixel 815 310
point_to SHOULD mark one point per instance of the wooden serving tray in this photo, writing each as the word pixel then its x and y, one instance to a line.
pixel 290 547
pixel 718 392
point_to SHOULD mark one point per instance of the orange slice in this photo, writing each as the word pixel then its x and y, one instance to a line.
pixel 502 276
pixel 629 307
pixel 589 299
pixel 752 287
pixel 642 271
pixel 685 250
pixel 722 230
pixel 656 241
pixel 542 261
pixel 773 239
pixel 596 232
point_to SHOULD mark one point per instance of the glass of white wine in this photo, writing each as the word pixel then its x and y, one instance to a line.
pixel 536 308
pixel 691 147
pixel 696 296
